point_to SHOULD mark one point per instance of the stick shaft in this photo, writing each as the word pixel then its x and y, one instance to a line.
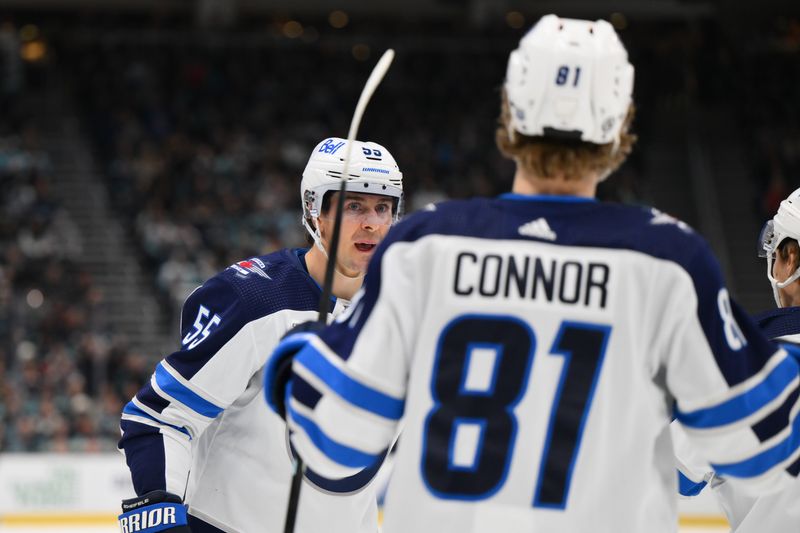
pixel 372 83
pixel 369 88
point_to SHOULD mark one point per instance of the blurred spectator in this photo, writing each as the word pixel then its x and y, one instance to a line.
pixel 56 391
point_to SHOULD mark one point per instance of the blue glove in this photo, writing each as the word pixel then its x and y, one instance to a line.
pixel 278 368
pixel 157 510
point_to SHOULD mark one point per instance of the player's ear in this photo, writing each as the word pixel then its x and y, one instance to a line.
pixel 793 251
pixel 324 227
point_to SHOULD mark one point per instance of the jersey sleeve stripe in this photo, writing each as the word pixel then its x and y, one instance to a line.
pixel 347 388
pixel 778 420
pixel 348 484
pixel 171 386
pixel 337 452
pixel 304 392
pixel 133 410
pixel 783 377
pixel 766 460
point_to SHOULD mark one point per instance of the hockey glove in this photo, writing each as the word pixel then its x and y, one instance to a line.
pixel 157 510
pixel 278 368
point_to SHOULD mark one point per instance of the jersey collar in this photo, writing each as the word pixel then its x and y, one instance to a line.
pixel 546 198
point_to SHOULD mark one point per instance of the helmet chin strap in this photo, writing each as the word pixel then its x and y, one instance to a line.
pixel 779 284
pixel 314 232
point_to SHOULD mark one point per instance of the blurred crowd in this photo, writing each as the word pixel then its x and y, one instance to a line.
pixel 62 376
pixel 204 145
pixel 769 72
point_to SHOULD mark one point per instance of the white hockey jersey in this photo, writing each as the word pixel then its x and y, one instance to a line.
pixel 535 350
pixel 200 426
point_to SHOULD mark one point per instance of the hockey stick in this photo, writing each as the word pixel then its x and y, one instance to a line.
pixel 373 81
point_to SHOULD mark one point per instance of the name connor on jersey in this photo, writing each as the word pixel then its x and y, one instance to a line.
pixel 493 275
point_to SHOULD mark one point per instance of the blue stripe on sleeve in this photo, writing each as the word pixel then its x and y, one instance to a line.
pixel 349 389
pixel 687 487
pixel 344 455
pixel 187 397
pixel 745 404
pixel 762 462
pixel 132 409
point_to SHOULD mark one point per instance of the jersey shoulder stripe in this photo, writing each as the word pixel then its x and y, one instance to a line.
pixel 170 385
pixel 132 409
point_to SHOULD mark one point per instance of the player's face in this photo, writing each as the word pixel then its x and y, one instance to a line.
pixel 365 220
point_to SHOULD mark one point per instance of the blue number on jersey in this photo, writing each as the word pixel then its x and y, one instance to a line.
pixel 480 374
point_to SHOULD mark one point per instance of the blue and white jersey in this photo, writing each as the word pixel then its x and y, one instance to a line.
pixel 534 350
pixel 200 427
pixel 747 512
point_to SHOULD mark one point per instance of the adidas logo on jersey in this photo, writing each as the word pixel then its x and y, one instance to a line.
pixel 538 228
pixel 661 218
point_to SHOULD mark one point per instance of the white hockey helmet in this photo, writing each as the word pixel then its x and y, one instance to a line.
pixel 569 78
pixel 784 225
pixel 372 170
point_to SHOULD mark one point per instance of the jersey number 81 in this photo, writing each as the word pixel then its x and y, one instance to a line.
pixel 480 374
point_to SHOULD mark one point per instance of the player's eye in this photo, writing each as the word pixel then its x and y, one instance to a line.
pixel 382 209
pixel 353 207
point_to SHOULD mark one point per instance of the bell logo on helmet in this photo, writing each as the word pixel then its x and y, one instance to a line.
pixel 330 147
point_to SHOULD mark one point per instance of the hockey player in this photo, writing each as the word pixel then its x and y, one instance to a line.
pixel 536 345
pixel 778 512
pixel 198 432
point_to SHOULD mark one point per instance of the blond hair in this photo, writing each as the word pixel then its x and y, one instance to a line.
pixel 548 158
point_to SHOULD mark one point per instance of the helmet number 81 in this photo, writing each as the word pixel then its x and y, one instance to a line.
pixel 564 74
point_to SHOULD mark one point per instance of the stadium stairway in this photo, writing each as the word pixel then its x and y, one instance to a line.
pixel 723 146
pixel 108 254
